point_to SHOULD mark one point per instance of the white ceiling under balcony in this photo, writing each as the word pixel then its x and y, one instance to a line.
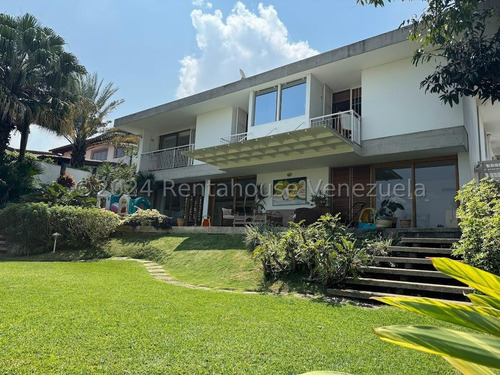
pixel 300 144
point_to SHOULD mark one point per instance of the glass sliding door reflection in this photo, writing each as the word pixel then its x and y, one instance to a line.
pixel 395 184
pixel 435 191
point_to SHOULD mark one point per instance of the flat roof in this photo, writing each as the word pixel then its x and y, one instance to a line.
pixel 338 54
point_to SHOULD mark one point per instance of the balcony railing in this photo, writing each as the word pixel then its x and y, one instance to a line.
pixel 489 168
pixel 168 158
pixel 347 124
pixel 234 138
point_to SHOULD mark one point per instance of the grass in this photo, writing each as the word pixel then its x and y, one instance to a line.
pixel 112 317
pixel 218 261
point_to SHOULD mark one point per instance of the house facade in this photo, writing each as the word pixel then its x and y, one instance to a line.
pixel 351 123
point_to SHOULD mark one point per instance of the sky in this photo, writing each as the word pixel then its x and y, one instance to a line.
pixel 157 51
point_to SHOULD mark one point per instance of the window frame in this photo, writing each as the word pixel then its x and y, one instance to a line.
pixel 279 97
pixel 115 152
pixel 102 149
pixel 162 136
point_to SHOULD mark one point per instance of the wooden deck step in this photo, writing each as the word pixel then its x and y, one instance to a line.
pixel 400 260
pixel 363 294
pixel 423 250
pixel 405 272
pixel 429 240
pixel 410 285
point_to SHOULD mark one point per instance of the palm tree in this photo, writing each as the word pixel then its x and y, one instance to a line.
pixel 90 113
pixel 36 75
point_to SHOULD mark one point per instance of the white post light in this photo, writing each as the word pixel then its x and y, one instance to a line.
pixel 55 235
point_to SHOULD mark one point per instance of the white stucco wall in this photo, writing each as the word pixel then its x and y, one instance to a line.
pixel 316 97
pixel 317 178
pixel 212 126
pixel 393 104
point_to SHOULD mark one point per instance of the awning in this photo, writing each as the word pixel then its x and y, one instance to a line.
pixel 298 144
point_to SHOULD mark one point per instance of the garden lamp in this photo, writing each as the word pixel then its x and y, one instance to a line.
pixel 55 235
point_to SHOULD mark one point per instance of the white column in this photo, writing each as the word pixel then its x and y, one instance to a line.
pixel 206 198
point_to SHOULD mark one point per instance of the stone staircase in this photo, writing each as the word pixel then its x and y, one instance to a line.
pixel 407 271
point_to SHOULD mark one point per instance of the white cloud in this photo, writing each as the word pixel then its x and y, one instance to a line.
pixel 254 42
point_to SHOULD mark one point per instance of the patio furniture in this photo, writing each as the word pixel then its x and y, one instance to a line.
pixel 227 216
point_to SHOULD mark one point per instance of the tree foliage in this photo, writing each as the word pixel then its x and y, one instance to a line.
pixel 463 38
pixel 89 115
pixel 36 75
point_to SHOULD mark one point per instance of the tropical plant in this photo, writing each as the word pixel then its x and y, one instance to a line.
pixel 121 139
pixel 463 39
pixel 55 194
pixel 66 180
pixel 319 199
pixel 36 75
pixel 89 114
pixel 149 218
pixel 17 178
pixel 479 221
pixel 469 352
pixel 117 178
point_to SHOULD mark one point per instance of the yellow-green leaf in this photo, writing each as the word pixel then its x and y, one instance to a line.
pixel 481 280
pixel 481 318
pixel 482 300
pixel 469 368
pixel 471 347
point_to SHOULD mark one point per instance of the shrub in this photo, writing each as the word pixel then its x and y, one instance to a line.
pixel 28 227
pixel 479 215
pixel 325 249
pixel 66 180
pixel 149 217
pixel 56 194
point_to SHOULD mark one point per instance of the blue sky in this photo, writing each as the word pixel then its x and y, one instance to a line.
pixel 158 50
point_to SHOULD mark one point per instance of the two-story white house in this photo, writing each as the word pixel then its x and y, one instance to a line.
pixel 352 121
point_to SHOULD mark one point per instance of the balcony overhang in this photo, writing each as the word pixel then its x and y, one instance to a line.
pixel 299 144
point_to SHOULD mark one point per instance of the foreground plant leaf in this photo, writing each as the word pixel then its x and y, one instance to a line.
pixel 481 300
pixel 481 318
pixel 481 280
pixel 469 368
pixel 480 349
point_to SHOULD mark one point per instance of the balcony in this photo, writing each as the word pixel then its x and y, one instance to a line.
pixel 235 138
pixel 166 159
pixel 346 124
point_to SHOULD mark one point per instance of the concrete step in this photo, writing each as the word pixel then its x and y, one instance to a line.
pixel 429 240
pixel 423 250
pixel 410 285
pixel 364 294
pixel 400 260
pixel 405 272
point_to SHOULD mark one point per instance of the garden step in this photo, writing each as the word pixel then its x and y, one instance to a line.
pixel 429 240
pixel 425 250
pixel 405 272
pixel 411 285
pixel 402 260
pixel 365 294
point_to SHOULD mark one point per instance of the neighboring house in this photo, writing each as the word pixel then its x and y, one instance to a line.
pixel 353 118
pixel 99 149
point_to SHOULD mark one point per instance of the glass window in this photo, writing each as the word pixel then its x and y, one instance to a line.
pixel 175 140
pixel 119 152
pixel 265 106
pixel 435 190
pixel 293 99
pixel 101 154
pixel 183 139
pixel 395 184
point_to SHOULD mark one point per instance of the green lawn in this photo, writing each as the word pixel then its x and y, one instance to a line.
pixel 218 261
pixel 112 317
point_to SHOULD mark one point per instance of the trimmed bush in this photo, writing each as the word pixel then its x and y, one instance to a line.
pixel 479 220
pixel 28 227
pixel 149 217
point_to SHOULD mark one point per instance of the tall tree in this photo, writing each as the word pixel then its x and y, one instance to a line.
pixel 463 38
pixel 122 139
pixel 36 75
pixel 90 113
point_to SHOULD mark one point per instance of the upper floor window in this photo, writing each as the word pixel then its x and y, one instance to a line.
pixel 119 152
pixel 175 139
pixel 280 103
pixel 101 154
pixel 347 100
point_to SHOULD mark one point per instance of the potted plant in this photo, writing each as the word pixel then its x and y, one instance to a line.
pixel 384 217
pixel 320 200
pixel 181 220
pixel 405 223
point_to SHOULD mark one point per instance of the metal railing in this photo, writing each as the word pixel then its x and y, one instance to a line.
pixel 168 158
pixel 489 168
pixel 234 138
pixel 347 124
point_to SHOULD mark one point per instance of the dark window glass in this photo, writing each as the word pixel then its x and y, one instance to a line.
pixel 119 152
pixel 100 154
